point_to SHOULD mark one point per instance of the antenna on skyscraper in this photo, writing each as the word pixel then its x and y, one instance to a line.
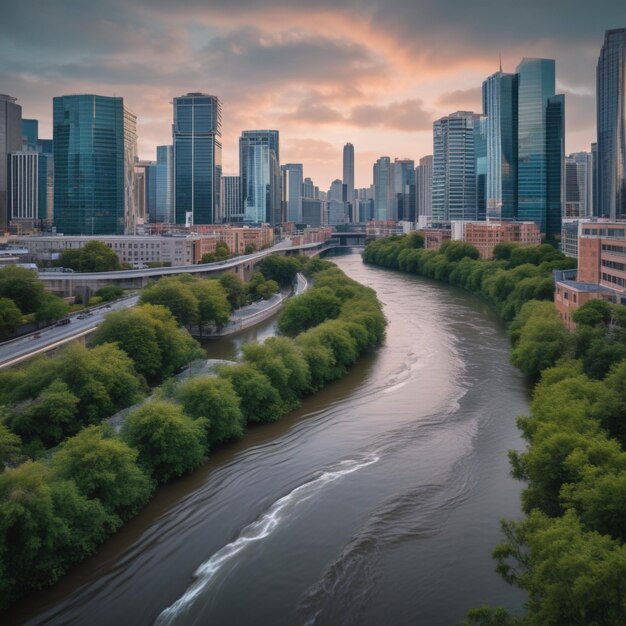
pixel 500 54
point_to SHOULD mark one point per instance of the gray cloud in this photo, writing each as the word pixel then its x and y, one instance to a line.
pixel 467 99
pixel 407 115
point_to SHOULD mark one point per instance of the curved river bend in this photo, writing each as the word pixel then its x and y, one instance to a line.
pixel 378 502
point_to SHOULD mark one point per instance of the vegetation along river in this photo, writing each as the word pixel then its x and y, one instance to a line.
pixel 377 502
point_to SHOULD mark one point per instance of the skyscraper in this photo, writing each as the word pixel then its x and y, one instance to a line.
pixel 336 204
pixel 500 106
pixel 578 185
pixel 480 155
pixel 10 141
pixel 231 198
pixel 454 168
pixel 611 121
pixel 594 178
pixel 292 191
pixel 197 139
pixel 540 145
pixel 348 171
pixel 383 196
pixel 30 133
pixel 424 173
pixel 164 202
pixel 259 169
pixel 95 145
pixel 403 192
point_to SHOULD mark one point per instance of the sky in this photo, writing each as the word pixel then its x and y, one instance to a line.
pixel 375 73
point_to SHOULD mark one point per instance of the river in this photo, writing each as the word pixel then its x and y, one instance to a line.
pixel 377 502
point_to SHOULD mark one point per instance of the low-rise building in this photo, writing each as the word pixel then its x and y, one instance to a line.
pixel 436 234
pixel 486 235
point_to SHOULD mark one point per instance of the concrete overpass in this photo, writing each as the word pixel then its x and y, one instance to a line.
pixel 70 283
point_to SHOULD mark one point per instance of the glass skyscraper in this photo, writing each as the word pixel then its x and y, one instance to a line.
pixel 500 106
pixel 292 191
pixel 383 189
pixel 611 121
pixel 259 169
pixel 95 145
pixel 424 181
pixel 454 168
pixel 540 145
pixel 348 171
pixel 10 141
pixel 197 138
pixel 404 202
pixel 164 201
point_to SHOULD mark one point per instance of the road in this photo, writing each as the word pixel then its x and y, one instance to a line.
pixel 12 352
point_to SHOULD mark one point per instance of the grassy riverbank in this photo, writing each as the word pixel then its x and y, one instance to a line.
pixel 568 552
pixel 58 507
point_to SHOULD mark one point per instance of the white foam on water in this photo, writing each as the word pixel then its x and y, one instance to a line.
pixel 256 531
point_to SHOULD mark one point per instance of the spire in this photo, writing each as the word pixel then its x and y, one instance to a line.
pixel 500 62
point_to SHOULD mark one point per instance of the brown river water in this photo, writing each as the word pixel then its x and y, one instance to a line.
pixel 376 503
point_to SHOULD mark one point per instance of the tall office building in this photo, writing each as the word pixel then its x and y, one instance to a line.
pixel 424 175
pixel 292 182
pixel 383 196
pixel 480 155
pixel 348 171
pixel 454 168
pixel 164 186
pixel 403 193
pixel 309 189
pixel 540 145
pixel 500 106
pixel 594 180
pixel 145 190
pixel 578 185
pixel 95 147
pixel 28 187
pixel 197 139
pixel 10 141
pixel 30 134
pixel 259 168
pixel 611 122
pixel 231 198
pixel 336 204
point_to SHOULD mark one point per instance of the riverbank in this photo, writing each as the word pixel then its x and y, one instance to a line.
pixel 571 538
pixel 268 383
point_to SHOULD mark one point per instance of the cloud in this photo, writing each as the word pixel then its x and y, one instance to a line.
pixel 406 115
pixel 462 99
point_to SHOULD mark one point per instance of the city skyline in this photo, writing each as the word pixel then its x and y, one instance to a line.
pixel 379 81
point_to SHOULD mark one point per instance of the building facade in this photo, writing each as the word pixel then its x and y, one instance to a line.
pixel 404 202
pixel 197 141
pixel 578 186
pixel 292 181
pixel 95 148
pixel 383 189
pixel 485 235
pixel 611 125
pixel 10 141
pixel 259 168
pixel 348 171
pixel 231 198
pixel 164 186
pixel 424 183
pixel 454 168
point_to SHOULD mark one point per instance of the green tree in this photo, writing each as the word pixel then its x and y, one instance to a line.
pixel 110 292
pixel 10 447
pixel 235 289
pixel 23 287
pixel 279 268
pixel 94 256
pixel 260 401
pixel 10 317
pixel 175 295
pixel 593 313
pixel 208 257
pixel 249 249
pixel 103 467
pixel 213 306
pixel 222 251
pixel 457 250
pixel 169 442
pixel 309 309
pixel 51 308
pixel 213 399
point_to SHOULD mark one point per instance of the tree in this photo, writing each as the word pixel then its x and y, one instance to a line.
pixel 103 467
pixel 169 442
pixel 258 287
pixel 175 295
pixel 110 292
pixel 279 268
pixel 10 317
pixel 10 447
pixel 215 400
pixel 593 313
pixel 23 287
pixel 222 251
pixel 235 289
pixel 51 308
pixel 309 309
pixel 213 306
pixel 457 250
pixel 249 249
pixel 260 401
pixel 208 257
pixel 94 256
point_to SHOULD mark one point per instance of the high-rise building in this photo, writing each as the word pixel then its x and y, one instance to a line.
pixel 145 190
pixel 424 181
pixel 348 171
pixel 95 147
pixel 197 139
pixel 164 184
pixel 231 198
pixel 28 187
pixel 540 145
pixel 10 141
pixel 480 154
pixel 454 168
pixel 309 189
pixel 403 192
pixel 383 189
pixel 292 191
pixel 259 168
pixel 336 204
pixel 611 123
pixel 500 106
pixel 578 185
pixel 313 212
pixel 594 180
pixel 30 134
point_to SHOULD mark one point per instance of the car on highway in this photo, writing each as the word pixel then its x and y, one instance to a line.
pixel 63 322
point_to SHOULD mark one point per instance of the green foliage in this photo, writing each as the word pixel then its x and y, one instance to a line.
pixel 10 317
pixel 249 249
pixel 457 250
pixel 51 308
pixel 222 251
pixel 309 309
pixel 259 288
pixel 235 289
pixel 169 442
pixel 23 287
pixel 215 402
pixel 175 295
pixel 213 305
pixel 260 401
pixel 94 256
pixel 10 447
pixel 110 292
pixel 593 313
pixel 103 468
pixel 280 268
